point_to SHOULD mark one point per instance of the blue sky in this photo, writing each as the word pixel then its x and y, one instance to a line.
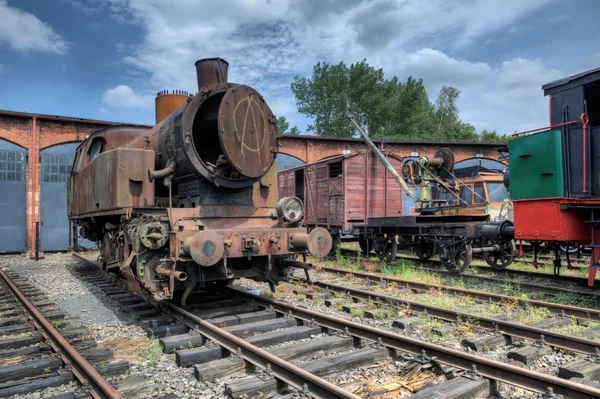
pixel 106 59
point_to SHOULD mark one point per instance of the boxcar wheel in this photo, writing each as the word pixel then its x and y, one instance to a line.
pixel 424 249
pixel 501 259
pixel 365 244
pixel 390 249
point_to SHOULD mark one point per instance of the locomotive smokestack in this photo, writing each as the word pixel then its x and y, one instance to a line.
pixel 211 71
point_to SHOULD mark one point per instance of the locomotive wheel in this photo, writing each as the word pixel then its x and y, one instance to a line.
pixel 390 249
pixel 458 261
pixel 503 258
pixel 424 249
pixel 365 244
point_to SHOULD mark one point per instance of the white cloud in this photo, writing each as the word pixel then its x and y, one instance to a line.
pixel 103 111
pixel 123 96
pixel 267 43
pixel 25 32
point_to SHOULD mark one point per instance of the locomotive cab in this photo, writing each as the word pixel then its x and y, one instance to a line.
pixel 191 204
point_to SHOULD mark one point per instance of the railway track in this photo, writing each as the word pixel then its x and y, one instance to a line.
pixel 41 347
pixel 228 334
pixel 582 313
pixel 528 280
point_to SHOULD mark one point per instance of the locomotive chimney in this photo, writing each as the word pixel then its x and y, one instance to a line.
pixel 210 71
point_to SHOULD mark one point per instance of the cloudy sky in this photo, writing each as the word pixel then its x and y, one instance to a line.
pixel 106 59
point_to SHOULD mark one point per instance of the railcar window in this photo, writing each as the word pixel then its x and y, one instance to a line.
pixel 479 195
pixel 335 170
pixel 497 191
pixel 466 196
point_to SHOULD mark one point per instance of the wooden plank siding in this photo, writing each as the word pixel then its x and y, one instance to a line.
pixel 336 200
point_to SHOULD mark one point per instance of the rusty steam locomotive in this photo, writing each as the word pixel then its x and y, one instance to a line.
pixel 191 204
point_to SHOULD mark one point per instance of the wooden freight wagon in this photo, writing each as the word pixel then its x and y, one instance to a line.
pixel 341 191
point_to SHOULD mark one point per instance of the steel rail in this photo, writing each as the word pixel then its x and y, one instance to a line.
pixel 494 370
pixel 82 369
pixel 551 338
pixel 282 370
pixel 555 308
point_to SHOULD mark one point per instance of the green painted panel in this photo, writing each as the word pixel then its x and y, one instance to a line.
pixel 536 166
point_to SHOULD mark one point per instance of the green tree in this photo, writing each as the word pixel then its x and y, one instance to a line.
pixel 283 127
pixel 487 136
pixel 446 111
pixel 386 108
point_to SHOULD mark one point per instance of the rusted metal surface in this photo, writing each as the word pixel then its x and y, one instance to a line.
pixel 282 370
pixel 248 131
pixel 492 369
pixel 82 369
pixel 239 243
pixel 117 179
pixel 166 103
pixel 210 71
pixel 205 247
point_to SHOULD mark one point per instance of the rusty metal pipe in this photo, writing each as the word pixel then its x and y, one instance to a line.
pixel 83 370
pixel 165 271
pixel 297 264
pixel 161 173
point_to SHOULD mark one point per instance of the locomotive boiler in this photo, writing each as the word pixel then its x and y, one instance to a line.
pixel 191 204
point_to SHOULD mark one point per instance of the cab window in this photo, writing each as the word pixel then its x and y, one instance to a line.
pixel 466 195
pixel 95 149
pixel 497 191
pixel 479 196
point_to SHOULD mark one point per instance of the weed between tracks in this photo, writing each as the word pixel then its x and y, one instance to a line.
pixel 139 349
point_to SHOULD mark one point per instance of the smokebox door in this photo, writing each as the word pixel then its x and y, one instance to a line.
pixel 248 131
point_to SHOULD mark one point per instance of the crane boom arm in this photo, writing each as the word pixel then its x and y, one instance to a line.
pixel 383 159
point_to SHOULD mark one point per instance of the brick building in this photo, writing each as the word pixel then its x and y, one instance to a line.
pixel 36 153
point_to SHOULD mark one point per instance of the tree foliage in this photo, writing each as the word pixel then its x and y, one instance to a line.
pixel 386 108
pixel 283 127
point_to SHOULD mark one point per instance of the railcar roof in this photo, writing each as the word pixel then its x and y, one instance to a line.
pixel 571 81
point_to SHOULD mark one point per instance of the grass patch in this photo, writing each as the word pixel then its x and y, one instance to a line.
pixel 574 300
pixel 140 349
pixel 406 270
pixel 59 323
pixel 357 312
pixel 467 325
pixel 532 314
pixel 386 314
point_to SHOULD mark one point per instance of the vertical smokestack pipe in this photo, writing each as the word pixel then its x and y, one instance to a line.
pixel 210 71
